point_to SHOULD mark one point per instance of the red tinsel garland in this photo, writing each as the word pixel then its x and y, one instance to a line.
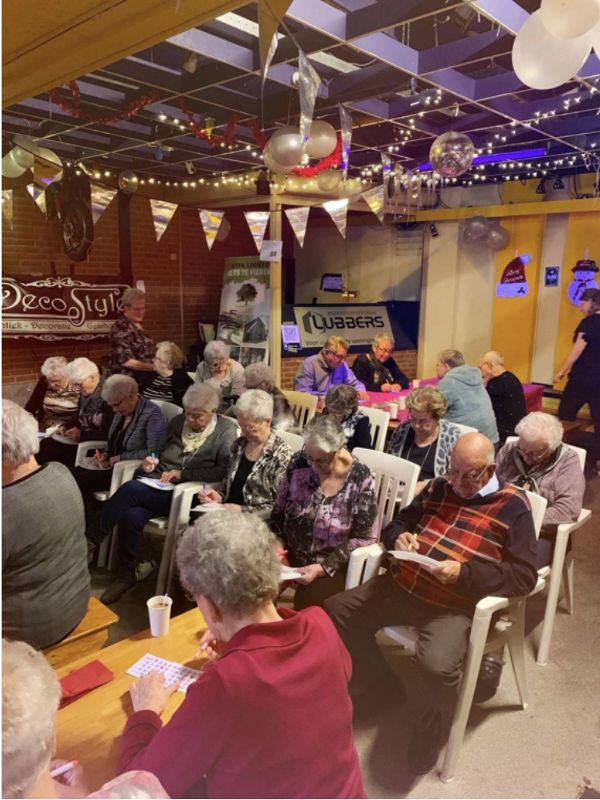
pixel 334 159
pixel 213 139
pixel 259 137
pixel 73 106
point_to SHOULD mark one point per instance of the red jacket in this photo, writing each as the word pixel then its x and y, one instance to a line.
pixel 270 718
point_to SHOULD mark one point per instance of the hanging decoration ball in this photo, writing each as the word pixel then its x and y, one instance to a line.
pixel 476 228
pixel 329 180
pixel 542 61
pixel 285 146
pixel 274 165
pixel 497 237
pixel 322 139
pixel 451 154
pixel 10 167
pixel 25 149
pixel 566 19
pixel 128 181
pixel 47 167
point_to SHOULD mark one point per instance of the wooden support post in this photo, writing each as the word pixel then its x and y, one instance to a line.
pixel 275 320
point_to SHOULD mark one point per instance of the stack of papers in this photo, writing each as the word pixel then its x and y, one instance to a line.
pixel 409 555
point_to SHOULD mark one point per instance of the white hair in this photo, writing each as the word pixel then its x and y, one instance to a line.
pixel 216 350
pixel 81 368
pixel 258 373
pixel 255 403
pixel 382 337
pixel 200 397
pixel 55 365
pixel 30 697
pixel 131 295
pixel 20 438
pixel 538 424
pixel 170 353
pixel 325 433
pixel 118 387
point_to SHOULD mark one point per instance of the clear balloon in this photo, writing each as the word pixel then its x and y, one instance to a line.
pixel 476 228
pixel 24 150
pixel 497 237
pixel 10 167
pixel 128 181
pixel 329 180
pixel 274 165
pixel 322 139
pixel 47 167
pixel 285 146
pixel 566 19
pixel 542 61
pixel 451 154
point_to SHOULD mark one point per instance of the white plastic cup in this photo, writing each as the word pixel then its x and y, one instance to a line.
pixel 402 402
pixel 416 383
pixel 159 611
pixel 393 410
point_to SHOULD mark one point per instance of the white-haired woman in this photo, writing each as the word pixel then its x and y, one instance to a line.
pixel 341 403
pixel 131 350
pixel 30 699
pixel 377 369
pixel 171 380
pixel 222 372
pixel 325 507
pixel 258 459
pixel 270 716
pixel 196 448
pixel 540 462
pixel 45 579
pixel 260 376
pixel 53 400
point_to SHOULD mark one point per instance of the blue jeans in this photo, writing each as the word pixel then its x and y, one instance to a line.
pixel 130 507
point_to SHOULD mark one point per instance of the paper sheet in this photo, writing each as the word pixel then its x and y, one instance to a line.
pixel 289 573
pixel 156 484
pixel 173 672
pixel 409 555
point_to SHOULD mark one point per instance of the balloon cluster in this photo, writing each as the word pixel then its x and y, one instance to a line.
pixel 480 229
pixel 26 154
pixel 283 151
pixel 451 154
pixel 555 41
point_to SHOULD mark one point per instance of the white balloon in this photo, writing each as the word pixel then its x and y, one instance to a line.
pixel 566 19
pixel 24 150
pixel 595 34
pixel 285 146
pixel 329 180
pixel 10 167
pixel 542 61
pixel 47 167
pixel 272 164
pixel 322 139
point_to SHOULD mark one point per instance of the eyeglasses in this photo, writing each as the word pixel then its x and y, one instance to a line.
pixel 324 461
pixel 337 356
pixel 471 476
pixel 533 455
pixel 199 416
pixel 384 350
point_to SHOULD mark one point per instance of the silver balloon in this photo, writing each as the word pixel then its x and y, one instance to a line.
pixel 328 180
pixel 24 150
pixel 274 165
pixel 10 167
pixel 285 146
pixel 128 181
pixel 497 237
pixel 476 228
pixel 322 139
pixel 451 154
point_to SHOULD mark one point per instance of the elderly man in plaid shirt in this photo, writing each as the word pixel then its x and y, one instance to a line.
pixel 481 531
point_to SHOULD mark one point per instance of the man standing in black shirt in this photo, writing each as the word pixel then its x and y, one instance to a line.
pixel 505 391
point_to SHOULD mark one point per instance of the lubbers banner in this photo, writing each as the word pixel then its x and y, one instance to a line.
pixel 358 324
pixel 59 308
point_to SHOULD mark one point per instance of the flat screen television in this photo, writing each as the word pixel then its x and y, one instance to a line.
pixel 332 282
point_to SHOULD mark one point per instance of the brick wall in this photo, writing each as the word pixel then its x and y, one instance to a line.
pixel 406 360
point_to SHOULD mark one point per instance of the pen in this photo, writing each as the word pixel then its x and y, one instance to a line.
pixel 411 546
pixel 153 456
pixel 65 768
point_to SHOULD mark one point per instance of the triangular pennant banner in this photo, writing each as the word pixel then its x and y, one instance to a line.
pixel 374 199
pixel 7 206
pixel 162 213
pixel 211 222
pixel 338 211
pixel 38 196
pixel 101 199
pixel 269 17
pixel 298 218
pixel 257 222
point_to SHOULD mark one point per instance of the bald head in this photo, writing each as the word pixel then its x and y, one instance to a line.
pixel 491 364
pixel 471 464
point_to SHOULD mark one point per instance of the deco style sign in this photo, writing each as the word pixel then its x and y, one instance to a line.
pixel 59 308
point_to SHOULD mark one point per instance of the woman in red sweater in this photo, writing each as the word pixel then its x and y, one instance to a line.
pixel 270 716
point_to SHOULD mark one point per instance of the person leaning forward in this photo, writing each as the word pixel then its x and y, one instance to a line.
pixel 318 373
pixel 481 531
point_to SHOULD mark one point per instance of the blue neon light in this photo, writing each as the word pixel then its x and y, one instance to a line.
pixel 497 158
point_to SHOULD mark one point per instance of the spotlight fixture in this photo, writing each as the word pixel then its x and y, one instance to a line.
pixel 541 187
pixel 558 183
pixel 191 63
pixel 433 230
pixel 190 168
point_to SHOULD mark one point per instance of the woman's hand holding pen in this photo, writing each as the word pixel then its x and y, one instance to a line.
pixel 406 541
pixel 209 496
pixel 150 463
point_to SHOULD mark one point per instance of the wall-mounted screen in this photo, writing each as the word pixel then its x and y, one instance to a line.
pixel 332 282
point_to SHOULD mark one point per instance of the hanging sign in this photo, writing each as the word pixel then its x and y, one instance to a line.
pixel 358 324
pixel 271 250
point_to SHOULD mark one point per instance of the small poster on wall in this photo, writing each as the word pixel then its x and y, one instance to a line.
pixel 245 309
pixel 551 275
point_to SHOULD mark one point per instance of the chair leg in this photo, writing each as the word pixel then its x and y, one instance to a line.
pixel 516 648
pixel 552 600
pixel 112 551
pixel 103 551
pixel 568 580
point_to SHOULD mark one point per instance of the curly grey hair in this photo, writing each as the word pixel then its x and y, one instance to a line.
pixel 117 388
pixel 256 403
pixel 30 698
pixel 542 425
pixel 19 434
pixel 216 350
pixel 81 368
pixel 170 354
pixel 260 375
pixel 55 365
pixel 201 397
pixel 342 398
pixel 130 296
pixel 325 433
pixel 231 559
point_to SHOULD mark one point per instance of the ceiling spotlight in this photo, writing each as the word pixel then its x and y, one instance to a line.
pixel 191 63
pixel 541 187
pixel 558 183
pixel 433 230
pixel 190 168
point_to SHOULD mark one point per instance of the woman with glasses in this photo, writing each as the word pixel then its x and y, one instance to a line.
pixel 378 370
pixel 257 462
pixel 196 448
pixel 541 463
pixel 426 438
pixel 130 348
pixel 221 372
pixel 53 400
pixel 325 508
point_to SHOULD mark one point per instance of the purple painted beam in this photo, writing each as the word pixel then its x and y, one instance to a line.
pixel 454 81
pixel 390 51
pixel 496 85
pixel 215 47
pixel 453 53
pixel 381 15
pixel 508 13
pixel 320 16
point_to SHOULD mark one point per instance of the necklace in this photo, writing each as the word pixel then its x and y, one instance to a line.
pixel 424 461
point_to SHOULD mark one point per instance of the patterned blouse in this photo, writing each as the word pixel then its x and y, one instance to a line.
pixel 261 484
pixel 321 529
pixel 128 341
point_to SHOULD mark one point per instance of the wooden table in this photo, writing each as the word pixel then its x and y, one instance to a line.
pixel 89 729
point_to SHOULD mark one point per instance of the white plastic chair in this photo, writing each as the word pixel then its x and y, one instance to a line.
pixel 304 406
pixel 484 638
pixel 169 410
pixel 83 448
pixel 379 421
pixel 293 440
pixel 559 574
pixel 464 428
pixel 395 481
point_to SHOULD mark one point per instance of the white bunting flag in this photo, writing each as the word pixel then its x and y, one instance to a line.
pixel 338 211
pixel 257 222
pixel 374 199
pixel 101 199
pixel 298 219
pixel 38 196
pixel 162 213
pixel 211 222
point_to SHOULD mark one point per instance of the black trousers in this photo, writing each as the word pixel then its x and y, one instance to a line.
pixel 579 391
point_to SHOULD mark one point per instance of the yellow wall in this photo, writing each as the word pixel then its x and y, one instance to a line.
pixel 514 318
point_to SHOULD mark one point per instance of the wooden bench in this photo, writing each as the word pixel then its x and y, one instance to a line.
pixel 88 637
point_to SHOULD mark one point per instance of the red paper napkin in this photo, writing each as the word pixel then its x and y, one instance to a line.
pixel 83 680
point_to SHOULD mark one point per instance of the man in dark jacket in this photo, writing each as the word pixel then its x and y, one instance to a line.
pixel 505 391
pixel 377 369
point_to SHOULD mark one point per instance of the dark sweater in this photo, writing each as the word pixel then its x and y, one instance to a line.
pixel 508 402
pixel 373 373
